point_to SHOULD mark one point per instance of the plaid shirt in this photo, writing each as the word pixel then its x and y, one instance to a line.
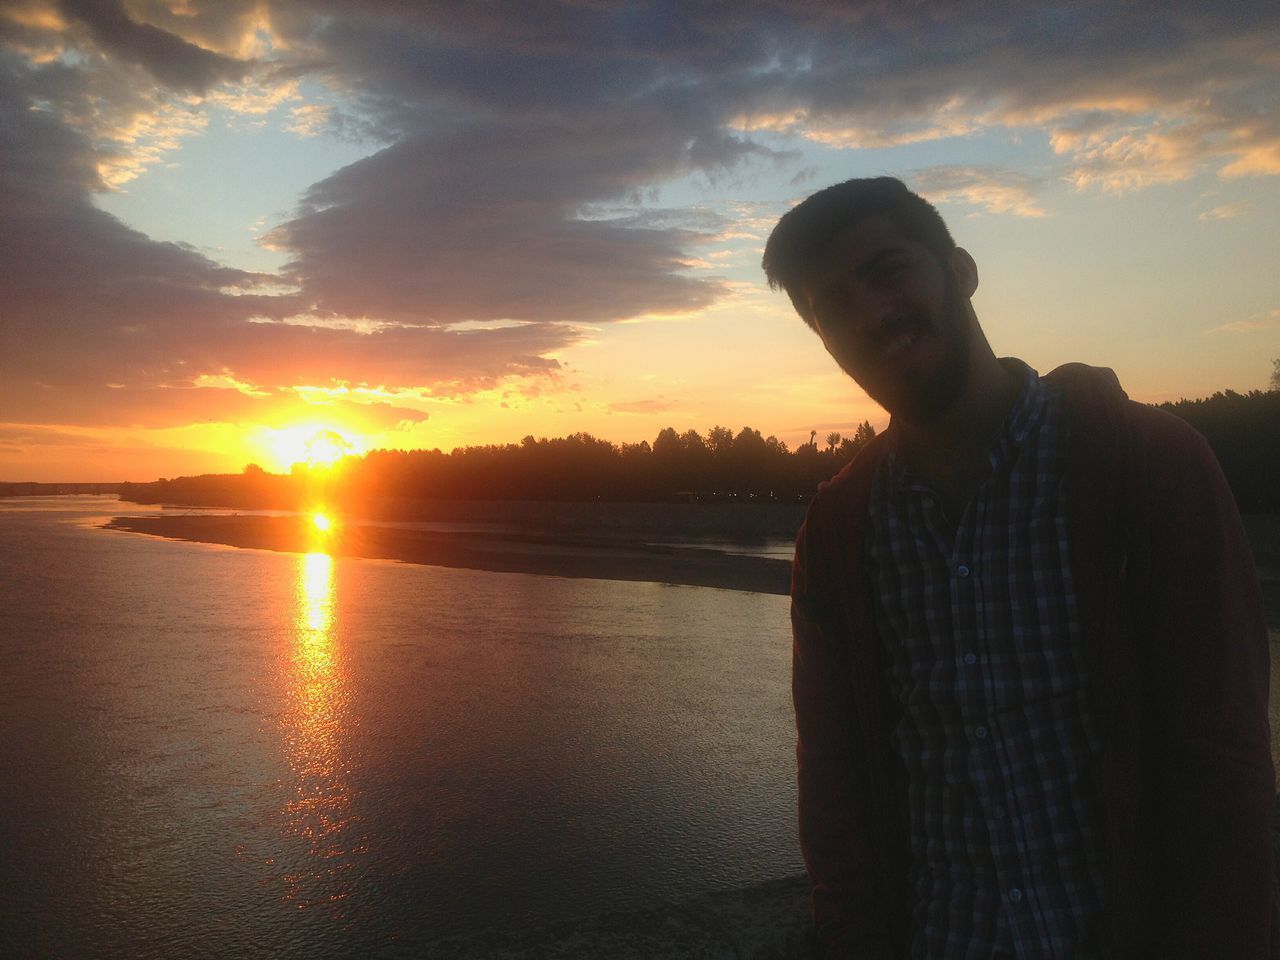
pixel 982 635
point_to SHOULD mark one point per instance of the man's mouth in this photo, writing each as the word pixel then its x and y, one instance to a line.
pixel 900 338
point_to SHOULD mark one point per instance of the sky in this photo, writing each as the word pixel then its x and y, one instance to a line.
pixel 229 227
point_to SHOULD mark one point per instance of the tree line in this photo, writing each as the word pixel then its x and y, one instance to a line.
pixel 720 466
pixel 1244 431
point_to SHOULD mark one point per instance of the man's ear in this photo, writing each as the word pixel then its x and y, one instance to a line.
pixel 966 271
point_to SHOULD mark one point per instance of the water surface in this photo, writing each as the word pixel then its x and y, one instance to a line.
pixel 210 751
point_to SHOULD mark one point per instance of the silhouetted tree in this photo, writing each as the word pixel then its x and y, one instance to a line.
pixel 1243 429
pixel 850 446
pixel 693 443
pixel 719 440
pixel 1275 374
pixel 667 444
pixel 1244 432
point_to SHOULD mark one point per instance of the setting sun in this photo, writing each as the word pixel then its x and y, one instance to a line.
pixel 321 522
pixel 311 445
pixel 326 448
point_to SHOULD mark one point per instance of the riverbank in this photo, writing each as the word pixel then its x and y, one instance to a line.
pixel 601 541
pixel 619 555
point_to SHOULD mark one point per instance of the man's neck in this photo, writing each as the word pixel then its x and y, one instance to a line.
pixel 951 446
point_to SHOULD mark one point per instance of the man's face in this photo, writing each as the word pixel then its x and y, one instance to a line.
pixel 893 316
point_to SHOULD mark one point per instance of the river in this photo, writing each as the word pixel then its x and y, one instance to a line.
pixel 209 751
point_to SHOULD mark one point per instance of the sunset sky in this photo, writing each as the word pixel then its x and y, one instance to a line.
pixel 228 226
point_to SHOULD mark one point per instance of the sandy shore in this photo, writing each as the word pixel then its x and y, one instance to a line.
pixel 560 556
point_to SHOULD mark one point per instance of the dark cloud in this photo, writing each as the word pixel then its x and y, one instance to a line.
pixel 442 362
pixel 479 226
pixel 511 125
pixel 522 142
pixel 74 282
pixel 147 407
pixel 103 325
pixel 1167 90
pixel 171 60
pixel 513 119
pixel 228 27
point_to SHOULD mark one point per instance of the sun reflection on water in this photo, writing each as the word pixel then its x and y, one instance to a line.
pixel 319 808
pixel 316 596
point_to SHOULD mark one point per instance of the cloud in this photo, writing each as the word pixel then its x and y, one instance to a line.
pixel 510 204
pixel 1126 156
pixel 259 96
pixel 172 61
pixel 1257 153
pixel 1131 95
pixel 89 302
pixel 480 225
pixel 310 119
pixel 996 191
pixel 159 407
pixel 22 436
pixel 1261 321
pixel 1226 211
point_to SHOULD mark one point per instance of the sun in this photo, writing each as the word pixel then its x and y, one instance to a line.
pixel 326 448
pixel 310 445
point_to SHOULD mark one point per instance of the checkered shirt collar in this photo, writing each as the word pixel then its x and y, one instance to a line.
pixel 1023 417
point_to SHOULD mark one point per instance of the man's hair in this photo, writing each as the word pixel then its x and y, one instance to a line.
pixel 806 229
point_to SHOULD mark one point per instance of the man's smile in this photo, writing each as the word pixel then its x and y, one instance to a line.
pixel 897 338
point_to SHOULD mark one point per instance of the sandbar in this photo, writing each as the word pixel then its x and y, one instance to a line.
pixel 576 556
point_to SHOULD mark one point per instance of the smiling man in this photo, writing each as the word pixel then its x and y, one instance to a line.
pixel 1030 663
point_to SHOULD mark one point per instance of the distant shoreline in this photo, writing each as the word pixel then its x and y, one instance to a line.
pixel 572 555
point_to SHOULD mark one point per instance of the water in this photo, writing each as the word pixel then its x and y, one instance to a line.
pixel 218 752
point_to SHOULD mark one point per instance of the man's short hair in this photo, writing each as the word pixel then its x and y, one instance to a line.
pixel 806 229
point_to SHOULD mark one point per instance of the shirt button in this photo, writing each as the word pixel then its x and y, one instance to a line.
pixel 971 658
pixel 980 732
pixel 962 570
pixel 1015 895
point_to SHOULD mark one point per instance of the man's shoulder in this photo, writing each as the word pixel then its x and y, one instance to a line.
pixel 837 513
pixel 1099 411
pixel 853 482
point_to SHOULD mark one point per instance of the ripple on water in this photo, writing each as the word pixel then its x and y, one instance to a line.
pixel 231 752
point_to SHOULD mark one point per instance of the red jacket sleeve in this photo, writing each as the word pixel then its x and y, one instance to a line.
pixel 836 807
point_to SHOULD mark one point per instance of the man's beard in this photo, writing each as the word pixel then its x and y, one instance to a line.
pixel 926 402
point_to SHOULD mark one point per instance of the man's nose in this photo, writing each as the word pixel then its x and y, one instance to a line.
pixel 875 308
pixel 859 307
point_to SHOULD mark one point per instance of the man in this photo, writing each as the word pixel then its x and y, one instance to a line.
pixel 1030 662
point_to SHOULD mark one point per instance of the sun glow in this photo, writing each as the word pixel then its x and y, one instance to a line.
pixel 321 522
pixel 310 445
pixel 326 448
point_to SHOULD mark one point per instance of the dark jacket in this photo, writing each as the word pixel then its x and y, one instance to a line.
pixel 1177 647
